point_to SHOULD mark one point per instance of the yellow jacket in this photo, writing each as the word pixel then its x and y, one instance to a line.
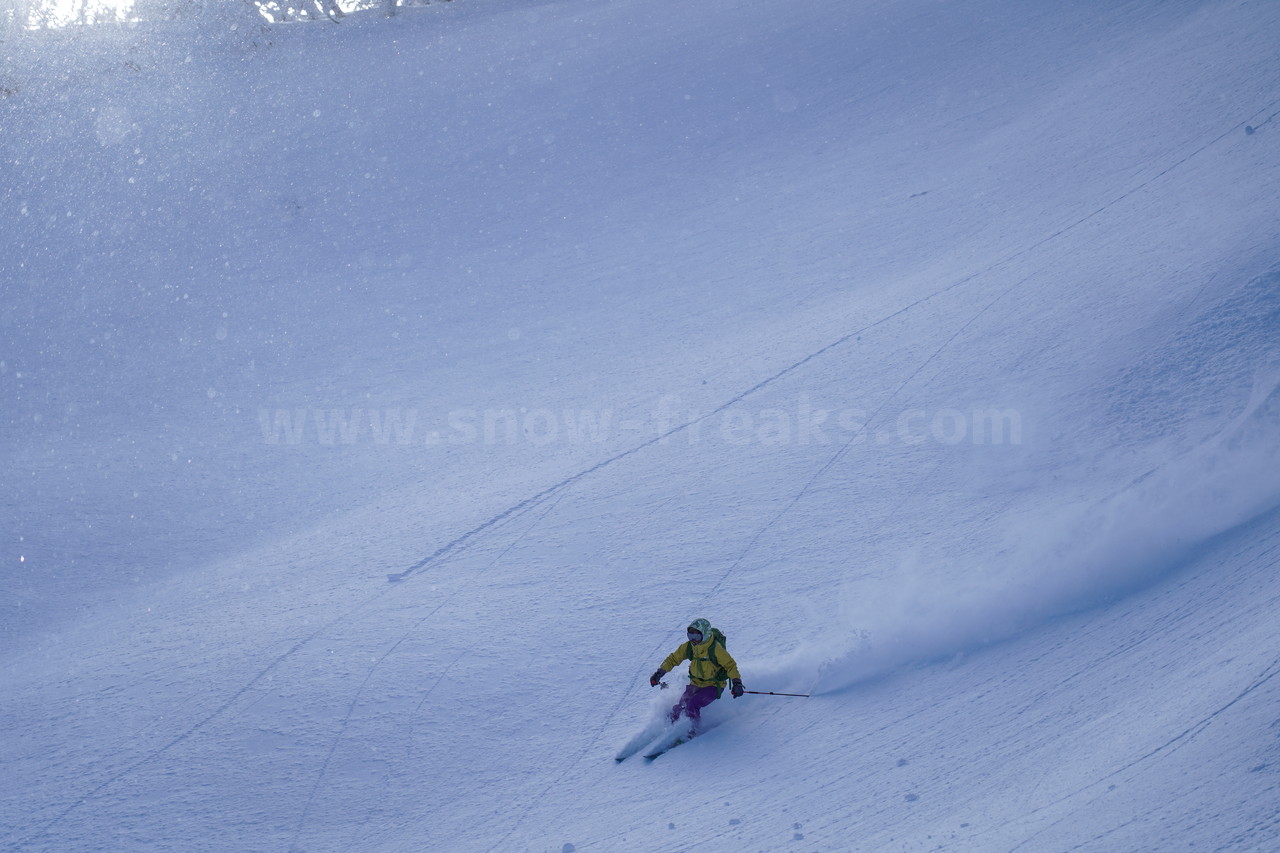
pixel 706 661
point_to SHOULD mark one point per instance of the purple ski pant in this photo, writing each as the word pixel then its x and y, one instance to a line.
pixel 692 703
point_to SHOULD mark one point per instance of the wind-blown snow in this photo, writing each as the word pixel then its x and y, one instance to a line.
pixel 930 350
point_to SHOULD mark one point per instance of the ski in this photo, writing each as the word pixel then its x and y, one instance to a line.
pixel 667 743
pixel 654 729
pixel 640 741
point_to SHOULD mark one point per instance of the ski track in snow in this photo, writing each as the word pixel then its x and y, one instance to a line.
pixel 191 730
pixel 275 663
pixel 816 354
pixel 1270 672
pixel 359 692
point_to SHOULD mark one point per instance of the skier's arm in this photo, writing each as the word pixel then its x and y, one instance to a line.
pixel 676 658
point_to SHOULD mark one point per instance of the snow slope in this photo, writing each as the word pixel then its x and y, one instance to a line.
pixel 931 350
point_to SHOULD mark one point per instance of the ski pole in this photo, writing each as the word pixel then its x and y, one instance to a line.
pixel 664 686
pixel 771 693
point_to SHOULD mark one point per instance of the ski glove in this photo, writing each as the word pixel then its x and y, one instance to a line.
pixel 737 690
pixel 656 677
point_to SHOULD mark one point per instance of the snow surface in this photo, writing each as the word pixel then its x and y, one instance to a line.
pixel 931 350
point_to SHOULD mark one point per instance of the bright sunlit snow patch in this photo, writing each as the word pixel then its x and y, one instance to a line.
pixel 62 13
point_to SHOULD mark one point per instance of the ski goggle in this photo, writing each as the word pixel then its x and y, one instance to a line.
pixel 695 635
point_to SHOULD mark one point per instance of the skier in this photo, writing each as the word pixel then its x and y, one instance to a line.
pixel 710 666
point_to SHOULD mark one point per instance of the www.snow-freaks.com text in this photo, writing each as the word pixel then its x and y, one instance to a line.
pixel 803 423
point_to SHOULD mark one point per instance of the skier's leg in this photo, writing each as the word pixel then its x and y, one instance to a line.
pixel 696 700
pixel 683 705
